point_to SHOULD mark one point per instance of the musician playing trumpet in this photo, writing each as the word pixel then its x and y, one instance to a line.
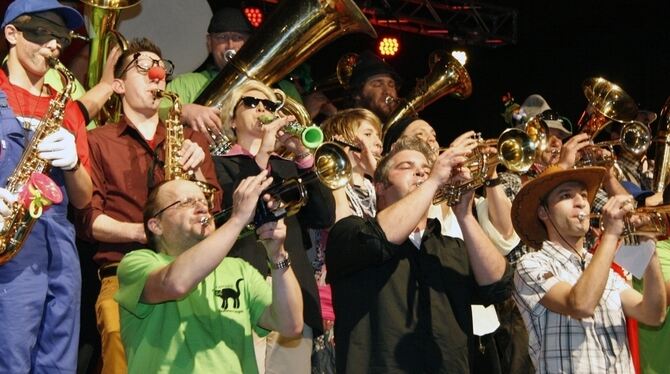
pixel 186 291
pixel 374 85
pixel 250 120
pixel 572 302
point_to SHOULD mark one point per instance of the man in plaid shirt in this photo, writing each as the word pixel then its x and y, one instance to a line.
pixel 572 303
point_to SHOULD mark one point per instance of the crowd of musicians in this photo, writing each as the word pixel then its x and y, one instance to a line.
pixel 225 240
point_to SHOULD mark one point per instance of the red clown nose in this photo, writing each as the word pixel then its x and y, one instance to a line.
pixel 156 73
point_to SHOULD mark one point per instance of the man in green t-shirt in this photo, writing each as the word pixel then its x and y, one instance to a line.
pixel 188 308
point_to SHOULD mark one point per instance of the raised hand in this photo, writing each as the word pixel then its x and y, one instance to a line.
pixel 246 196
pixel 203 119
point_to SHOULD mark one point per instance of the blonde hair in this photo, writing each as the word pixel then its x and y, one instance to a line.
pixel 346 122
pixel 228 108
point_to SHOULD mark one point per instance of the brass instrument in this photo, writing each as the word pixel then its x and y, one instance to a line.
pixel 293 32
pixel 608 103
pixel 538 131
pixel 343 71
pixel 309 134
pixel 174 140
pixel 652 221
pixel 102 17
pixel 331 167
pixel 515 150
pixel 662 159
pixel 221 144
pixel 17 226
pixel 446 77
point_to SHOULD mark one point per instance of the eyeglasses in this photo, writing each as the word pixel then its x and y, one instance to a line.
pixel 41 35
pixel 144 63
pixel 188 203
pixel 229 36
pixel 252 102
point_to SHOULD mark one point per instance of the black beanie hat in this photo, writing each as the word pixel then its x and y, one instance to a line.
pixel 395 132
pixel 369 65
pixel 229 20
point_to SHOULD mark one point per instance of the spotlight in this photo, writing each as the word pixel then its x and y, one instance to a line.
pixel 388 46
pixel 254 15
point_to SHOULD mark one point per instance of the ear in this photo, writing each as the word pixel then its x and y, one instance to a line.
pixel 542 212
pixel 10 34
pixel 154 226
pixel 118 86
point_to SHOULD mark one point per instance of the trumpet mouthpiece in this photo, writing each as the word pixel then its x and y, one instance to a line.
pixel 204 221
pixel 582 216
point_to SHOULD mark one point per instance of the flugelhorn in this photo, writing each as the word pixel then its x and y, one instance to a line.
pixel 515 150
pixel 446 77
pixel 331 167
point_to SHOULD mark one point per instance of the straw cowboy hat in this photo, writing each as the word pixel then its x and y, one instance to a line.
pixel 524 208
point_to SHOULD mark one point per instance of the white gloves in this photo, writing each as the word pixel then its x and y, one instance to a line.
pixel 6 200
pixel 60 149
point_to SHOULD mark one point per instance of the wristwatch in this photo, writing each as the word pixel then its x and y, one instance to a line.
pixel 283 264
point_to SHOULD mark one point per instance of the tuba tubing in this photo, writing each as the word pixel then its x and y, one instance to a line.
pixel 662 159
pixel 298 29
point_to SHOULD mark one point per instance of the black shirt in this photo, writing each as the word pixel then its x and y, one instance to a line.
pixel 399 308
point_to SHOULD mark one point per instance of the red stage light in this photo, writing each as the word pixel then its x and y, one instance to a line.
pixel 254 15
pixel 389 46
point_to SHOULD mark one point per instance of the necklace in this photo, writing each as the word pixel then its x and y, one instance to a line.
pixel 362 199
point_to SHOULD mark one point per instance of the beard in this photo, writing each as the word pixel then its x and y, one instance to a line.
pixel 382 110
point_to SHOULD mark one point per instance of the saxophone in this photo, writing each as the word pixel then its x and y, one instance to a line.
pixel 17 225
pixel 174 139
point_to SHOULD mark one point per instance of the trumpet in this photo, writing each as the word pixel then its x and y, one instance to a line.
pixel 515 150
pixel 331 167
pixel 642 222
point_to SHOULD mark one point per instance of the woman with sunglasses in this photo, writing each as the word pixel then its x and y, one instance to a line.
pixel 245 121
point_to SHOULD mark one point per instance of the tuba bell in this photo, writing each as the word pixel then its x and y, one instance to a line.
pixel 298 30
pixel 101 20
pixel 446 77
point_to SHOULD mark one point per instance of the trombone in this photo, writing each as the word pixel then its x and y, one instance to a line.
pixel 516 150
pixel 331 167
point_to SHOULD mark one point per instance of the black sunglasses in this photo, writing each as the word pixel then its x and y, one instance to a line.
pixel 252 102
pixel 41 35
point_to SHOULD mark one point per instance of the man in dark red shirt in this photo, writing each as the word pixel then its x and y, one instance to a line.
pixel 127 161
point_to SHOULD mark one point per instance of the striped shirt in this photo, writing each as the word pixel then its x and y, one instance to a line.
pixel 561 344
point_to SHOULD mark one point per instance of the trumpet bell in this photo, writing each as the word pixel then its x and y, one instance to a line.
pixel 516 150
pixel 332 165
pixel 635 138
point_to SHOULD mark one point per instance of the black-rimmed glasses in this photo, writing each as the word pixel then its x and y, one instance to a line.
pixel 144 63
pixel 188 203
pixel 252 102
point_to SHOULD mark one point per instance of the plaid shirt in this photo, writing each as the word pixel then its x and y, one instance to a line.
pixel 557 342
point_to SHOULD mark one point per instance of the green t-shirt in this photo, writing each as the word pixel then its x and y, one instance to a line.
pixel 654 340
pixel 208 331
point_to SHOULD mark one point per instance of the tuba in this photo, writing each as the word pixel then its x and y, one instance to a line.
pixel 294 31
pixel 446 77
pixel 17 226
pixel 102 17
pixel 662 159
pixel 174 140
